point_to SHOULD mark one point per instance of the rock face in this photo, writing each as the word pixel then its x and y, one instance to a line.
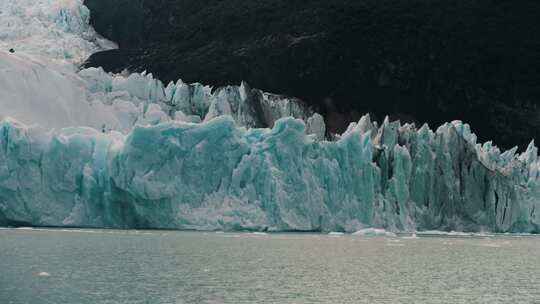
pixel 421 60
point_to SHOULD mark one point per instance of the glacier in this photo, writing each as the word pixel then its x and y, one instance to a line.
pixel 41 83
pixel 148 101
pixel 52 29
pixel 215 175
pixel 85 148
pixel 55 95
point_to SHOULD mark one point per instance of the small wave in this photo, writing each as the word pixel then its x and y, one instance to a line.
pixel 457 233
pixel 433 232
pixel 336 234
pixel 483 234
pixel 395 245
pixel 412 237
pixel 490 245
pixel 231 235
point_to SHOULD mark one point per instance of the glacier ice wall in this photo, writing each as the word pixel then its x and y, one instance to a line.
pixel 215 175
pixel 91 149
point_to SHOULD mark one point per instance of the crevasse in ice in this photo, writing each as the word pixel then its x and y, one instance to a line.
pixel 215 175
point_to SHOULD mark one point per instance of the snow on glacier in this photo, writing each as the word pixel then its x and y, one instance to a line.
pixel 218 176
pixel 47 94
pixel 55 95
pixel 53 29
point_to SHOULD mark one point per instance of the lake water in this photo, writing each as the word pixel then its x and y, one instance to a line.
pixel 107 266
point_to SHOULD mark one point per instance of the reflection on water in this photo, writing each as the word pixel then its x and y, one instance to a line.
pixel 107 266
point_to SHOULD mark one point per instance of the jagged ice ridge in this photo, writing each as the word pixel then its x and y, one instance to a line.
pixel 215 175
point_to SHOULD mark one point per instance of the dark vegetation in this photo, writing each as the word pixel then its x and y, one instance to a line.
pixel 416 60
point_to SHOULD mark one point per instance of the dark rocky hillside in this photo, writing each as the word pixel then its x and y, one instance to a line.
pixel 416 60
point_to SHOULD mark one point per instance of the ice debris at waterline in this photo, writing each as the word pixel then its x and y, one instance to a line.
pixel 217 176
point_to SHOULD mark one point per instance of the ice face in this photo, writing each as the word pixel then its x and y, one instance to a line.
pixel 217 176
pixel 91 149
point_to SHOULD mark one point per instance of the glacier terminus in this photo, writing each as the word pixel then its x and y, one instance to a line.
pixel 85 148
pixel 215 175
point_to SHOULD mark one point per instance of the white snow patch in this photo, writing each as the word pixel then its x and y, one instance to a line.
pixel 53 29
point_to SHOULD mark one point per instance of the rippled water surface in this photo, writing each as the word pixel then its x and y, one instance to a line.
pixel 102 266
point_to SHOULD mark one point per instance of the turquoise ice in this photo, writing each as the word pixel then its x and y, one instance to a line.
pixel 217 176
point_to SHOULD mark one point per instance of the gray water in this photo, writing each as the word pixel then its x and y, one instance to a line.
pixel 104 266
